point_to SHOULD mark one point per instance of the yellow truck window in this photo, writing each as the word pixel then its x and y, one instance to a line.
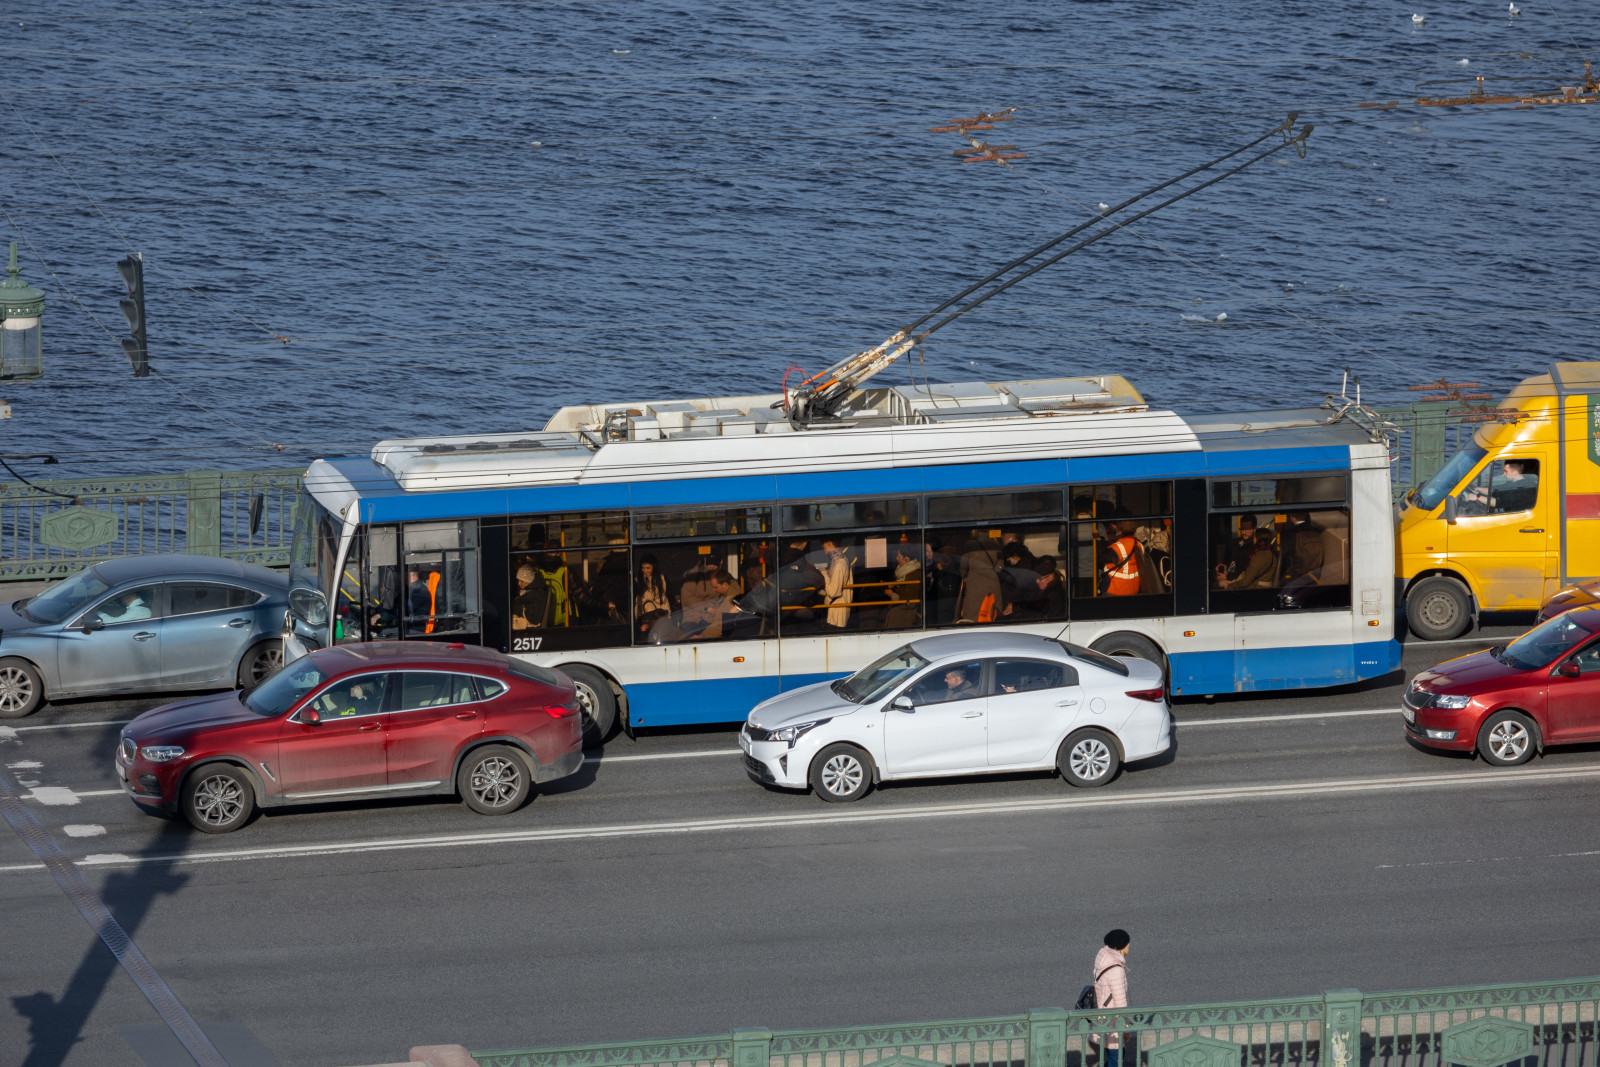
pixel 1504 487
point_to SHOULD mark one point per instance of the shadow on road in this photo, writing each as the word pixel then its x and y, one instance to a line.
pixel 57 1024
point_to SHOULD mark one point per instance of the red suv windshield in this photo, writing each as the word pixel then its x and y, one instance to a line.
pixel 1545 643
pixel 277 694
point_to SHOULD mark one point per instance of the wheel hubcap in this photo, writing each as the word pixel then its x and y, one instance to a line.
pixel 586 701
pixel 496 781
pixel 1439 610
pixel 1508 740
pixel 267 661
pixel 842 774
pixel 1090 759
pixel 16 689
pixel 218 800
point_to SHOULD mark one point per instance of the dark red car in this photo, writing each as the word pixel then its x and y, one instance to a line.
pixel 1512 700
pixel 355 722
pixel 1578 595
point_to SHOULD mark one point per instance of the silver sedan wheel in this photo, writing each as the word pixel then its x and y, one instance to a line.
pixel 1509 739
pixel 218 800
pixel 1090 759
pixel 496 782
pixel 843 774
pixel 16 690
pixel 267 661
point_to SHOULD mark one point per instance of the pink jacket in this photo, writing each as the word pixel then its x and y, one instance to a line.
pixel 1110 978
pixel 1110 983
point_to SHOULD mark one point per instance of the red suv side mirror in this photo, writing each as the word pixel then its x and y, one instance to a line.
pixel 310 716
pixel 1568 669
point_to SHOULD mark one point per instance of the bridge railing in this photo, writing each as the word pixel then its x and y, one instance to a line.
pixel 1527 1024
pixel 57 527
pixel 1429 435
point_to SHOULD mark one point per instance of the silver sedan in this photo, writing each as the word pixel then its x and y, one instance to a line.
pixel 142 624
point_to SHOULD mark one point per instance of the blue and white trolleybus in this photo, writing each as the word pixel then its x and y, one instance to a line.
pixel 683 560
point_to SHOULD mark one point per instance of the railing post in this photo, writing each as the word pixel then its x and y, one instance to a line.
pixel 1341 1029
pixel 205 513
pixel 751 1046
pixel 1047 1037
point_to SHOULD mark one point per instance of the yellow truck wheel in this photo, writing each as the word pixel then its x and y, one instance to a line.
pixel 1438 609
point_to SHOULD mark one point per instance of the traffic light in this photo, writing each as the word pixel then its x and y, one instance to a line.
pixel 132 271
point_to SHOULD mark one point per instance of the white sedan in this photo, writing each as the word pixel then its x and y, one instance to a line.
pixel 962 703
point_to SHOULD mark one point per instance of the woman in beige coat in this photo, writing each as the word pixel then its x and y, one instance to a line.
pixel 836 591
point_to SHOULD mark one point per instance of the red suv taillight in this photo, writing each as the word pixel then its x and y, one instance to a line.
pixel 1147 694
pixel 560 711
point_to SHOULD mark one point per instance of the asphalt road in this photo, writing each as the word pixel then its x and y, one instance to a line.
pixel 1289 844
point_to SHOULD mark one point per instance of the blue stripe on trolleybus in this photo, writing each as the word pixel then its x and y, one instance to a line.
pixel 384 501
pixel 730 699
pixel 1257 669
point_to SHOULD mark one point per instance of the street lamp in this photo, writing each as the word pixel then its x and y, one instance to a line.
pixel 21 335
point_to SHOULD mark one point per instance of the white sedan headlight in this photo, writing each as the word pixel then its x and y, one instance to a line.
pixel 793 733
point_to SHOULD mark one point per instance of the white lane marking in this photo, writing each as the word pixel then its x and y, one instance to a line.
pixel 1461 641
pixel 25 765
pixel 70 725
pixel 696 754
pixel 1491 859
pixel 1290 790
pixel 78 829
pixel 51 795
pixel 8 733
pixel 1244 720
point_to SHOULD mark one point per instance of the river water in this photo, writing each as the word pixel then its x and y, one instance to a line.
pixel 462 215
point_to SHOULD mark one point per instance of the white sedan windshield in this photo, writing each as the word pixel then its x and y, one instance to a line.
pixel 876 679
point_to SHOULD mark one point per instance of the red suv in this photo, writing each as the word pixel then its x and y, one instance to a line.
pixel 354 722
pixel 1512 700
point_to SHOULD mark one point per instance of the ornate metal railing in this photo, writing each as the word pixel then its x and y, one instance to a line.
pixel 1429 435
pixel 1528 1024
pixel 54 528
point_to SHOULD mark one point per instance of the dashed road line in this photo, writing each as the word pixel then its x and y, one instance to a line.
pixel 770 822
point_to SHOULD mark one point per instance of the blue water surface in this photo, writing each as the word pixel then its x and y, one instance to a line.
pixel 462 215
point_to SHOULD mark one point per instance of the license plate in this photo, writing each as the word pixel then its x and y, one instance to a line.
pixel 1410 715
pixel 744 742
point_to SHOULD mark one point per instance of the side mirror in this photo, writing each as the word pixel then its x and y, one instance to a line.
pixel 900 703
pixel 91 623
pixel 1450 510
pixel 1568 669
pixel 310 716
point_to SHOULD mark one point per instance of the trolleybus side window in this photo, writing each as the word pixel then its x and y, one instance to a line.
pixel 1121 549
pixel 852 566
pixel 1280 544
pixel 995 558
pixel 706 591
pixel 570 583
pixel 375 558
pixel 440 598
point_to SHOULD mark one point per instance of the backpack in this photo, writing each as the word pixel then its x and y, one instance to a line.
pixel 1087 1001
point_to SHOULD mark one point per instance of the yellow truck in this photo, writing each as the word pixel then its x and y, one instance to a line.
pixel 1513 516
